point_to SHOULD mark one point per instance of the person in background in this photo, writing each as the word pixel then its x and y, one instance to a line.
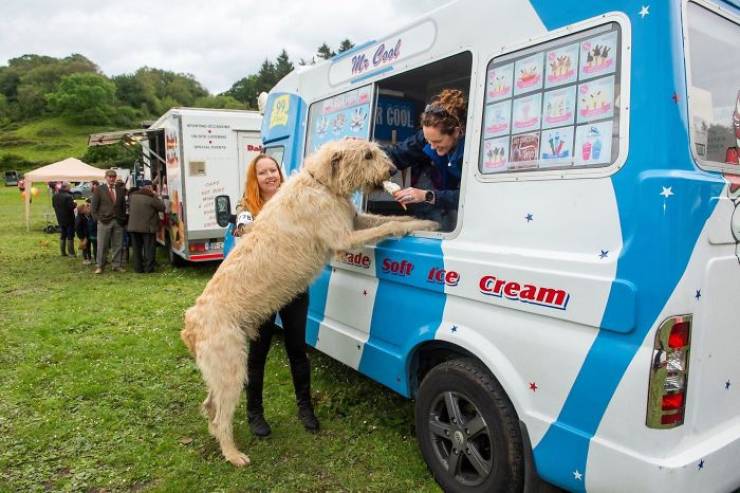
pixel 109 210
pixel 143 223
pixel 263 181
pixel 92 229
pixel 82 229
pixel 64 208
pixel 435 155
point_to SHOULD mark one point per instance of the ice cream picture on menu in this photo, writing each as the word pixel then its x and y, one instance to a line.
pixel 497 119
pixel 561 65
pixel 528 73
pixel 596 99
pixel 499 85
pixel 598 56
pixel 495 155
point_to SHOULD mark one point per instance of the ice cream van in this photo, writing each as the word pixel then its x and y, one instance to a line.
pixel 578 324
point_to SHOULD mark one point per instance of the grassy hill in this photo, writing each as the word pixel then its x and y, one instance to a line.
pixel 44 141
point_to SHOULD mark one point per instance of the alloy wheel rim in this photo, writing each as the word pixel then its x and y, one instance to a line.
pixel 461 438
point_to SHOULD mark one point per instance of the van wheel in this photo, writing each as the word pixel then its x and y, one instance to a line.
pixel 467 430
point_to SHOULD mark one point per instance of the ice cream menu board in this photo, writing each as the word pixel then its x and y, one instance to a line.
pixel 344 115
pixel 553 107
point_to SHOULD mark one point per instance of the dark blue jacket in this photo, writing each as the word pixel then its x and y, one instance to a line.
pixel 416 153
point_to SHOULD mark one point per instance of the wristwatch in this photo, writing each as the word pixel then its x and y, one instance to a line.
pixel 429 197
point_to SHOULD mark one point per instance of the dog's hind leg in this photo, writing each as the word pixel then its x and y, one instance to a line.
pixel 222 360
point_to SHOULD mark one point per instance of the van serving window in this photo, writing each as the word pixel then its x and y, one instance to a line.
pixel 554 105
pixel 714 87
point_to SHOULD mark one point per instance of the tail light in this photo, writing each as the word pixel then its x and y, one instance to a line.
pixel 669 373
pixel 197 247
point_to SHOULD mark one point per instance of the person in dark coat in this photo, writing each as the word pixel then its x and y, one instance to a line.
pixel 64 207
pixel 143 223
pixel 109 210
pixel 434 154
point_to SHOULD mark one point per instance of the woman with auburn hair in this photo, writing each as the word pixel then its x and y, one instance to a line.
pixel 264 178
pixel 434 154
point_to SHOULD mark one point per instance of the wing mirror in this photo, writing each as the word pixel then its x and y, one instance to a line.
pixel 223 211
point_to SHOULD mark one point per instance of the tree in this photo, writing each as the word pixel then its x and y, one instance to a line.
pixel 245 90
pixel 221 101
pixel 283 65
pixel 84 97
pixel 324 52
pixel 345 45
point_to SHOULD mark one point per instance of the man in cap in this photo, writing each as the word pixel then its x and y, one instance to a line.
pixel 143 224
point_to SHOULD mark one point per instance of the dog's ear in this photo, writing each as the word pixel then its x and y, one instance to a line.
pixel 336 158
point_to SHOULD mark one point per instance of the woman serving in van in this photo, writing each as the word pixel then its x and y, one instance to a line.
pixel 263 181
pixel 435 152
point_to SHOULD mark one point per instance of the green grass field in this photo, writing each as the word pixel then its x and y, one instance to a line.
pixel 98 394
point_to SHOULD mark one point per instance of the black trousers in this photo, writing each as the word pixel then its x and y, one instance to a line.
pixel 294 316
pixel 144 246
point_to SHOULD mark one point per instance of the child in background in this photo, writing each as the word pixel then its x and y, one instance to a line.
pixel 81 228
pixel 92 230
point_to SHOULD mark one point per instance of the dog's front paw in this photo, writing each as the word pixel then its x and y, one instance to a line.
pixel 421 225
pixel 238 459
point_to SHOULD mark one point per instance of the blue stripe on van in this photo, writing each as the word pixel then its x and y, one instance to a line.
pixel 657 242
pixel 317 305
pixel 407 309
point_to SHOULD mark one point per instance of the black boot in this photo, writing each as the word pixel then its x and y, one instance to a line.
pixel 71 248
pixel 258 426
pixel 308 418
pixel 63 247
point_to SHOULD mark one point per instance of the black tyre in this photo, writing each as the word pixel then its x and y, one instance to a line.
pixel 468 431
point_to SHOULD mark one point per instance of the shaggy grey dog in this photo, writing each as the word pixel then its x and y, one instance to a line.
pixel 310 219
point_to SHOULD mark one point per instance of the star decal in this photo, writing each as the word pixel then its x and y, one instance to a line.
pixel 698 294
pixel 604 254
pixel 577 475
pixel 533 386
pixel 453 328
pixel 667 192
pixel 645 11
pixel 529 217
pixel 727 385
pixel 701 464
pixel 364 292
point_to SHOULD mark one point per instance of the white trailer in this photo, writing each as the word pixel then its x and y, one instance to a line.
pixel 192 155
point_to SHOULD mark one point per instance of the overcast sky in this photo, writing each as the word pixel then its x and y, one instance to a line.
pixel 218 41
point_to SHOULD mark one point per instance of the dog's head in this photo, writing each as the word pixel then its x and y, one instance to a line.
pixel 350 164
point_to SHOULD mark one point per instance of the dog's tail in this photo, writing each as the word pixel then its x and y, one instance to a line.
pixel 189 333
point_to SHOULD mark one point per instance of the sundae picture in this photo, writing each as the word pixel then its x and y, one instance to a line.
pixel 526 113
pixel 561 65
pixel 559 107
pixel 322 126
pixel 499 82
pixel 597 55
pixel 595 99
pixel 497 119
pixel 528 74
pixel 338 123
pixel 358 119
pixel 495 155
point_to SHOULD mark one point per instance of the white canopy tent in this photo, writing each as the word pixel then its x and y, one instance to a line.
pixel 69 169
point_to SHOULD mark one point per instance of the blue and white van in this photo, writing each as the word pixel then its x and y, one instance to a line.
pixel 579 322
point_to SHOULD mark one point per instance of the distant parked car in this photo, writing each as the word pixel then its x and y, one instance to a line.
pixel 11 178
pixel 83 190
